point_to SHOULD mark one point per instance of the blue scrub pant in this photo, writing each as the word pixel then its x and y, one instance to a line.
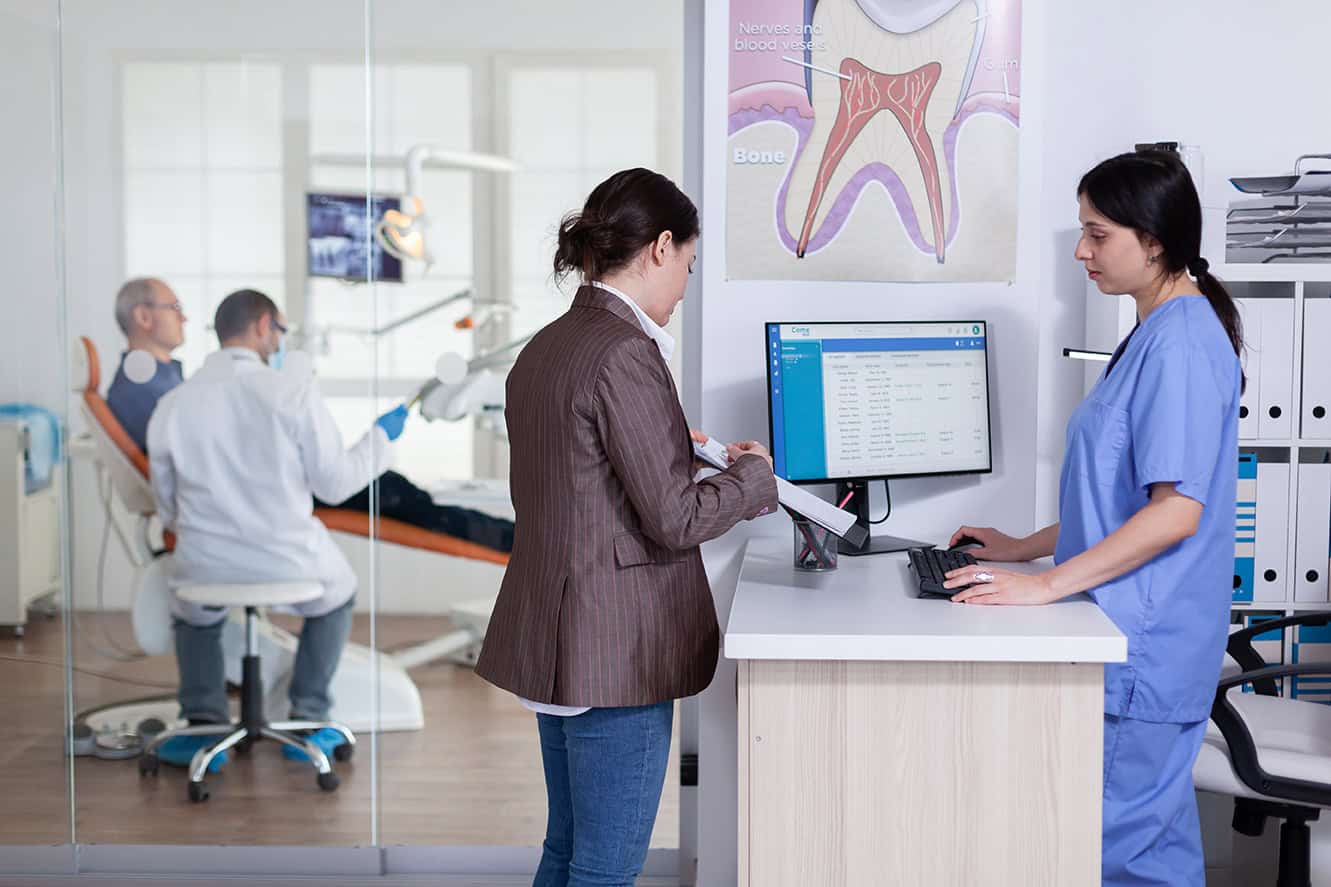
pixel 1151 834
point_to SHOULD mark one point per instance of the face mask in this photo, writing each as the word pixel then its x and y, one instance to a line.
pixel 277 357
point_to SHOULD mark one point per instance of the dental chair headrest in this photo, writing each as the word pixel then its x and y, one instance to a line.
pixel 86 370
pixel 116 450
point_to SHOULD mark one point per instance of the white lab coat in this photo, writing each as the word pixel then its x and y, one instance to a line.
pixel 235 454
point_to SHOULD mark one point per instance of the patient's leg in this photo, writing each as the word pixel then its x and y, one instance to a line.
pixel 202 668
pixel 402 500
pixel 321 641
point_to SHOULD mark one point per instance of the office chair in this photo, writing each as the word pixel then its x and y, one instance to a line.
pixel 1273 755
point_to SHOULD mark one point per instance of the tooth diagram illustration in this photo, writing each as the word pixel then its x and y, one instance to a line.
pixel 893 75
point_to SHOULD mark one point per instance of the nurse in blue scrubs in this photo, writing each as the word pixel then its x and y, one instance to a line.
pixel 1146 509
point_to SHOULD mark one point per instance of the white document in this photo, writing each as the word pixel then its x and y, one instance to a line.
pixel 1313 531
pixel 1276 384
pixel 1316 413
pixel 1251 316
pixel 823 513
pixel 1269 580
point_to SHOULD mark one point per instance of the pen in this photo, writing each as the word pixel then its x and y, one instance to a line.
pixel 806 552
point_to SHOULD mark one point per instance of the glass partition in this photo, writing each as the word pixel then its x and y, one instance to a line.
pixel 391 188
pixel 192 143
pixel 515 112
pixel 34 767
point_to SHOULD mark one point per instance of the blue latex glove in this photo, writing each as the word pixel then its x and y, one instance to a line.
pixel 392 421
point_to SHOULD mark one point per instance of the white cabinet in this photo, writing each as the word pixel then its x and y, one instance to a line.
pixel 29 532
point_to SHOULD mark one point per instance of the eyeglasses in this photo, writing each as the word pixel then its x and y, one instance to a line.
pixel 171 306
pixel 281 327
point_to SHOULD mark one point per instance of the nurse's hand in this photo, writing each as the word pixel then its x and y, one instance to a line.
pixel 994 546
pixel 1006 588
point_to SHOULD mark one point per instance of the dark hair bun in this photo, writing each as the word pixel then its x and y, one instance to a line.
pixel 622 215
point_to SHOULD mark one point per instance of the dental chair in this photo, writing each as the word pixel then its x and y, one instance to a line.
pixel 1272 754
pixel 360 670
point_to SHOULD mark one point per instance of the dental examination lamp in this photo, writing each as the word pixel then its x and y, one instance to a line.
pixel 402 233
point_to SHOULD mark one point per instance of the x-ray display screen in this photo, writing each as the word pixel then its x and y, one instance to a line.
pixel 341 241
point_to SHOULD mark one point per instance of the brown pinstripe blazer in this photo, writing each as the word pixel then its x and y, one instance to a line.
pixel 605 601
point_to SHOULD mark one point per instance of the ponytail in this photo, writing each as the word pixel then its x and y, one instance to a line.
pixel 1222 303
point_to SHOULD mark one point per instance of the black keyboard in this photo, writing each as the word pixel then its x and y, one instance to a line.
pixel 930 566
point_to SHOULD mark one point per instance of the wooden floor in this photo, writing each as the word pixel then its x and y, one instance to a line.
pixel 472 776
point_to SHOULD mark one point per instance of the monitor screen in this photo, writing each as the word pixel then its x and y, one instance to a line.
pixel 857 401
pixel 339 235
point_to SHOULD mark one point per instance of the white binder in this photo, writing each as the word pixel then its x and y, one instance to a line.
pixel 1312 533
pixel 1276 383
pixel 1269 580
pixel 1316 377
pixel 1251 315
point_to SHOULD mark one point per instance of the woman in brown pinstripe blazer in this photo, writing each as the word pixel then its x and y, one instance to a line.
pixel 605 616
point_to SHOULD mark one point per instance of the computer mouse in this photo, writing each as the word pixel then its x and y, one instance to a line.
pixel 966 543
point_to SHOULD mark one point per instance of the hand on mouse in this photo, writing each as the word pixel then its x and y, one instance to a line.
pixel 994 546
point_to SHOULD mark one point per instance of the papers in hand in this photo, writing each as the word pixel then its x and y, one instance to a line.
pixel 802 502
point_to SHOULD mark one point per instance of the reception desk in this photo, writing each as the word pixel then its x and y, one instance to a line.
pixel 887 739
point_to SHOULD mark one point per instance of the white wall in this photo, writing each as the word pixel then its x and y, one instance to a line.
pixel 31 363
pixel 1245 82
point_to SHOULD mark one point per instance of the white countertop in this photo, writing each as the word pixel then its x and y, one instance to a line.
pixel 867 609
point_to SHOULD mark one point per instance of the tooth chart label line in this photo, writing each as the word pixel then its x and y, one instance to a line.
pixel 814 67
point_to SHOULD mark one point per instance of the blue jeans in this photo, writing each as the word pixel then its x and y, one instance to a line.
pixel 604 770
pixel 202 667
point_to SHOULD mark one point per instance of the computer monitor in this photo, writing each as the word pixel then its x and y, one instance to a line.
pixel 340 237
pixel 851 402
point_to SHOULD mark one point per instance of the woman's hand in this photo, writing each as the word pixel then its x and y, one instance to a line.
pixel 699 438
pixel 748 448
pixel 994 546
pixel 1006 587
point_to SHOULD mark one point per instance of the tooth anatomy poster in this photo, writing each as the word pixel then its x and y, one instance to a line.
pixel 873 140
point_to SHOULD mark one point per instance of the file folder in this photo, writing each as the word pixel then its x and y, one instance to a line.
pixel 1245 528
pixel 1269 580
pixel 1316 375
pixel 1251 317
pixel 1277 376
pixel 1311 643
pixel 1312 532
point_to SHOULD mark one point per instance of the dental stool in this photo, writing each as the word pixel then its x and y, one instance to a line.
pixel 252 725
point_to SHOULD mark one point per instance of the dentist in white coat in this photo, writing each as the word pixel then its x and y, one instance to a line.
pixel 236 453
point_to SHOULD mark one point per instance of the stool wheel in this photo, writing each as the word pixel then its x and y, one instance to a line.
pixel 148 765
pixel 243 746
pixel 198 792
pixel 344 752
pixel 329 781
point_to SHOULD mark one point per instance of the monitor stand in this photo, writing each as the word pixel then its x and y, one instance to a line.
pixel 859 504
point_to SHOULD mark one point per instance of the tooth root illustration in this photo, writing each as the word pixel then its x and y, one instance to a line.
pixel 914 60
pixel 863 95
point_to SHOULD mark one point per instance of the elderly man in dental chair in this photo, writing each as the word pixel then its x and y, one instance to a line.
pixel 152 320
pixel 235 454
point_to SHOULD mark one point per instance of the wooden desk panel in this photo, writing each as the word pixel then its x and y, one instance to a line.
pixel 919 773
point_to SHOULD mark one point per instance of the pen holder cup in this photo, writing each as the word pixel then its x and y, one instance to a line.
pixel 815 547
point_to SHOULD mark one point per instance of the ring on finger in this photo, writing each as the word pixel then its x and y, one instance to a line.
pixel 983 576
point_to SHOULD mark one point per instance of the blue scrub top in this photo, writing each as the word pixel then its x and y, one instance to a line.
pixel 132 403
pixel 1165 412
